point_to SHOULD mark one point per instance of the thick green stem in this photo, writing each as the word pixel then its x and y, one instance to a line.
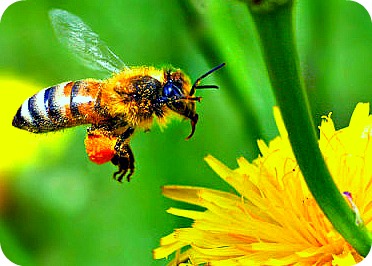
pixel 275 29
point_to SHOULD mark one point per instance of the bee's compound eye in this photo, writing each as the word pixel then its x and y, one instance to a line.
pixel 170 90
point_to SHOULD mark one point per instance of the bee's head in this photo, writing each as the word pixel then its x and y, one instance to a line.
pixel 177 94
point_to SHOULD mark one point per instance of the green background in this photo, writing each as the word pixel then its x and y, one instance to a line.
pixel 65 210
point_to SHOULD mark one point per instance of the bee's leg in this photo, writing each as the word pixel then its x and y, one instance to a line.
pixel 123 157
pixel 125 162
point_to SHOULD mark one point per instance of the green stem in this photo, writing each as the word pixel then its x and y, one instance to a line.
pixel 275 29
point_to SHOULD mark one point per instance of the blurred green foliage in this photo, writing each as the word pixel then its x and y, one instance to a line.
pixel 64 210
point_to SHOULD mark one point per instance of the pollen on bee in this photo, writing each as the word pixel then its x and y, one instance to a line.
pixel 100 148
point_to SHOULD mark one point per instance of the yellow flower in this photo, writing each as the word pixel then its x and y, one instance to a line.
pixel 273 218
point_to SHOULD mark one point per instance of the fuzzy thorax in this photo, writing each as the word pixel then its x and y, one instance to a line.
pixel 133 94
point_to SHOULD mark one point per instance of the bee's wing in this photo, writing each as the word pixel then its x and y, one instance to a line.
pixel 72 32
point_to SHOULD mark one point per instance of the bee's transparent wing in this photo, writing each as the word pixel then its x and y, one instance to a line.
pixel 85 44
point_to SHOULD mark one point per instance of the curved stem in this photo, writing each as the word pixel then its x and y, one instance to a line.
pixel 275 30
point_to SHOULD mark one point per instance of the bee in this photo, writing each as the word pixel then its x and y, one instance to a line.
pixel 114 108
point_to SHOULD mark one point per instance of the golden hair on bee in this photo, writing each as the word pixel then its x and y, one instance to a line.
pixel 114 108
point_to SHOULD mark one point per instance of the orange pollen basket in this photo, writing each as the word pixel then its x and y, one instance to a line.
pixel 100 149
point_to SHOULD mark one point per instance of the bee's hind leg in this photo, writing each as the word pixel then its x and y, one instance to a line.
pixel 125 161
pixel 123 157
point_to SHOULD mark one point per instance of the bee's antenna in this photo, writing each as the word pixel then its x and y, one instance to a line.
pixel 206 87
pixel 196 83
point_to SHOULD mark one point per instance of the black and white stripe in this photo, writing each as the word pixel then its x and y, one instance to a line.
pixel 44 111
pixel 74 100
pixel 53 108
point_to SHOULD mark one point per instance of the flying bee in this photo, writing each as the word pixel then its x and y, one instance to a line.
pixel 131 98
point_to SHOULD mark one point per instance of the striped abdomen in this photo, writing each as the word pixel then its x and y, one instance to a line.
pixel 65 105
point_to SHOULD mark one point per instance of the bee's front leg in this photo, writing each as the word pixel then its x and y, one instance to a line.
pixel 123 156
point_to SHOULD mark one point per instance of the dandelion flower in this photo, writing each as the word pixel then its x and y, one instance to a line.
pixel 273 219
